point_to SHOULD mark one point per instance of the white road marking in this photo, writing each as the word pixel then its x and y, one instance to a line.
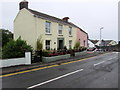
pixel 99 63
pixel 104 61
pixel 54 79
pixel 111 58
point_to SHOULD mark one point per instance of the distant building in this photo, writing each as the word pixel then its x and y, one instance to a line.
pixel 94 41
pixel 91 44
pixel 106 43
pixel 55 33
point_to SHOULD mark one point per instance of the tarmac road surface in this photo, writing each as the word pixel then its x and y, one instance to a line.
pixel 96 72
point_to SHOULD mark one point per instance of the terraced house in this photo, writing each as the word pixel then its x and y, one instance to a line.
pixel 54 32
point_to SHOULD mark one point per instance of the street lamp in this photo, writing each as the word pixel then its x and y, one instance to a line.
pixel 100 37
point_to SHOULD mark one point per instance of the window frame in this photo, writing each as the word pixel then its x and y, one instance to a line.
pixel 70 31
pixel 60 28
pixel 47 46
pixel 48 27
pixel 84 42
pixel 70 43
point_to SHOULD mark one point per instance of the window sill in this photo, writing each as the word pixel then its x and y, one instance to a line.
pixel 60 35
pixel 70 36
pixel 48 34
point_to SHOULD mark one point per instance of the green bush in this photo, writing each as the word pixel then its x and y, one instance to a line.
pixel 5 36
pixel 39 45
pixel 15 49
pixel 77 45
pixel 45 53
pixel 83 48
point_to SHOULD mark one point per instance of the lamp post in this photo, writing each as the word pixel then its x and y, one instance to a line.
pixel 100 37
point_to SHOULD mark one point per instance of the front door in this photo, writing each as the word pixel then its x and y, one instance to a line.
pixel 60 43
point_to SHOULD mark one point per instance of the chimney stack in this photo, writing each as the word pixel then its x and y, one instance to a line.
pixel 65 19
pixel 23 4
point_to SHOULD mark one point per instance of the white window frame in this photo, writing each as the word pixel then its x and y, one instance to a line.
pixel 60 28
pixel 48 27
pixel 70 43
pixel 70 31
pixel 47 46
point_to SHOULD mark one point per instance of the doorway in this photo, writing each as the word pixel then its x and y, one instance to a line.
pixel 60 43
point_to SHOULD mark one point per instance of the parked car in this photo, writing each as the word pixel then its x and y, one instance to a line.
pixel 91 49
pixel 98 49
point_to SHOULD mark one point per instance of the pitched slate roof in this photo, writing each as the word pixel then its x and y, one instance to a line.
pixel 94 41
pixel 48 17
pixel 106 42
pixel 52 18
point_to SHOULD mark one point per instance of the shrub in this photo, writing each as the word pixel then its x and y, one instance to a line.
pixel 83 48
pixel 77 45
pixel 47 53
pixel 39 44
pixel 61 53
pixel 65 48
pixel 55 54
pixel 15 49
pixel 50 54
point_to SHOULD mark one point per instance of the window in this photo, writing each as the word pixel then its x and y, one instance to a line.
pixel 84 42
pixel 70 43
pixel 47 44
pixel 70 30
pixel 48 27
pixel 60 29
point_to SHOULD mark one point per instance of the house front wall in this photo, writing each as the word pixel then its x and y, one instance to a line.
pixel 30 28
pixel 112 43
pixel 82 37
pixel 24 27
pixel 53 36
pixel 109 44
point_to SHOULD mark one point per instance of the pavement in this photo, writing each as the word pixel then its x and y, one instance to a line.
pixel 18 68
pixel 96 72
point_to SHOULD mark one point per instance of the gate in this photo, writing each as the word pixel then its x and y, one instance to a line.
pixel 36 56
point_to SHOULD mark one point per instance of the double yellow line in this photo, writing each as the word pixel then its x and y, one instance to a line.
pixel 11 74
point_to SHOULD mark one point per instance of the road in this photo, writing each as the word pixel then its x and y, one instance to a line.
pixel 96 72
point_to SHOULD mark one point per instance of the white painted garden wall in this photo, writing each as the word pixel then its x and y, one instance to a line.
pixel 16 61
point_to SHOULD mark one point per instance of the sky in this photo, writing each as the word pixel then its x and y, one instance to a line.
pixel 90 15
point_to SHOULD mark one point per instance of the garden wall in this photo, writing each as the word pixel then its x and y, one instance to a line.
pixel 80 53
pixel 16 61
pixel 55 58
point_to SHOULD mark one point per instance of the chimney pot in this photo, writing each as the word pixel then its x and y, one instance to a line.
pixel 65 19
pixel 23 4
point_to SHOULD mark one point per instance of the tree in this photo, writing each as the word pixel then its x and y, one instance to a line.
pixel 5 36
pixel 15 49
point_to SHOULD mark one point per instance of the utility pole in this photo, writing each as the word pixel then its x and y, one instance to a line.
pixel 101 37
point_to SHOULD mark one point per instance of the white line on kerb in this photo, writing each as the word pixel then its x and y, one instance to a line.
pixel 54 79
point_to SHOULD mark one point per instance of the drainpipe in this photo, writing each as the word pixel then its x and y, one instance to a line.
pixel 36 27
pixel 36 20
